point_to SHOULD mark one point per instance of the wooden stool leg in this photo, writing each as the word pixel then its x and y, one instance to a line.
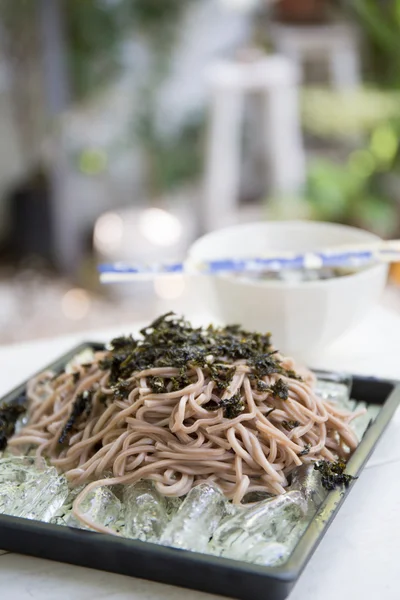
pixel 223 158
pixel 287 157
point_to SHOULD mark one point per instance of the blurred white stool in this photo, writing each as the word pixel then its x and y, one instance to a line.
pixel 338 43
pixel 276 78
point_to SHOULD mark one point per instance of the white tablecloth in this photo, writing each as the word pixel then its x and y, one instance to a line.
pixel 359 556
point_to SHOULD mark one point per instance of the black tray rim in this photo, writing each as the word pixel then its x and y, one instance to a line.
pixel 283 576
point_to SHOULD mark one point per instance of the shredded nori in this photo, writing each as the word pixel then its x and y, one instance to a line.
pixel 293 375
pixel 280 390
pixel 81 405
pixel 180 382
pixel 121 389
pixel 289 425
pixel 211 405
pixel 9 414
pixel 233 406
pixel 170 341
pixel 265 364
pixel 102 397
pixel 157 385
pixel 333 474
pixel 306 450
pixel 222 375
pixel 262 386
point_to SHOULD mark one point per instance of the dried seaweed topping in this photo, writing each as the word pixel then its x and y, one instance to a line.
pixel 121 389
pixel 157 385
pixel 271 410
pixel 280 390
pixel 306 450
pixel 170 341
pixel 233 406
pixel 261 386
pixel 293 375
pixel 9 414
pixel 333 474
pixel 289 425
pixel 180 382
pixel 82 405
pixel 222 375
pixel 265 364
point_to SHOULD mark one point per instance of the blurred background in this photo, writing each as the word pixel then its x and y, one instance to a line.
pixel 130 127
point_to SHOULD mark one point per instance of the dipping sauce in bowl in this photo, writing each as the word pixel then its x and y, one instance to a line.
pixel 306 310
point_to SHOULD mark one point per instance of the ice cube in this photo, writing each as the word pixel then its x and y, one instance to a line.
pixel 13 473
pixel 335 388
pixel 30 489
pixel 58 521
pixel 52 492
pixel 146 511
pixel 253 497
pixel 101 506
pixel 18 469
pixel 197 518
pixel 173 505
pixel 307 480
pixel 269 521
pixel 273 553
pixel 360 424
pixel 62 515
pixel 268 554
pixel 7 493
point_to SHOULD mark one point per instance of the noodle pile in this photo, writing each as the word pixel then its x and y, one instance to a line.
pixel 182 406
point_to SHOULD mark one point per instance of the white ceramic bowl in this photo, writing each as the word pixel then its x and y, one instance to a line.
pixel 303 317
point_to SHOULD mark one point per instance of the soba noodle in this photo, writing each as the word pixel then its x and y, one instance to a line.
pixel 180 407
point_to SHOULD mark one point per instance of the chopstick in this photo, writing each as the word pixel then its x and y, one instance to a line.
pixel 350 256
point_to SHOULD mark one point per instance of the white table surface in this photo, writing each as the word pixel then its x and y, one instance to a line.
pixel 359 555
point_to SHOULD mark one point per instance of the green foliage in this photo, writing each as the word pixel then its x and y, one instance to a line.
pixel 171 160
pixel 96 28
pixel 175 159
pixel 338 115
pixel 157 20
pixel 355 192
pixel 17 13
pixel 94 31
pixel 380 20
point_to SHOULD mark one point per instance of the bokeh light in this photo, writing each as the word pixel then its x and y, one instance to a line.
pixel 160 227
pixel 75 304
pixel 93 161
pixel 108 232
pixel 384 143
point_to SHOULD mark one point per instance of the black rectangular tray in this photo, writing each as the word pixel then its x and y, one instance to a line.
pixel 173 566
